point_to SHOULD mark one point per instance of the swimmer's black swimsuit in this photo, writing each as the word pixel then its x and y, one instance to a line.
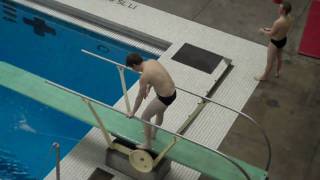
pixel 168 100
pixel 279 43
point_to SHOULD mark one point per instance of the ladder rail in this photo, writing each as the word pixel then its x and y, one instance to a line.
pixel 151 124
pixel 246 116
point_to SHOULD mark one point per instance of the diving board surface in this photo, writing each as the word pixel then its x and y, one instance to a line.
pixel 184 152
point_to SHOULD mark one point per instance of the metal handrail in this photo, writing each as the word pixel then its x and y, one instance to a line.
pixel 151 124
pixel 57 147
pixel 245 116
pixel 205 99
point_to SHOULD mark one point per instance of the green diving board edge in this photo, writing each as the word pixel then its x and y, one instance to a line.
pixel 185 152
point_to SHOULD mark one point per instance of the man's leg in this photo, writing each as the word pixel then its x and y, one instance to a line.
pixel 159 120
pixel 271 55
pixel 279 62
pixel 155 107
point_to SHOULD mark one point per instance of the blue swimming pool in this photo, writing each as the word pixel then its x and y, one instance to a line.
pixel 50 48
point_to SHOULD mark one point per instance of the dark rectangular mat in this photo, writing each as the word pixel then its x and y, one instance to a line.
pixel 197 58
pixel 100 174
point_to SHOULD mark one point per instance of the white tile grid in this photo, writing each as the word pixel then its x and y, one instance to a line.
pixel 178 112
pixel 156 23
pixel 180 172
pixel 107 9
pixel 91 27
pixel 184 76
pixel 214 122
pixel 210 126
pixel 84 158
pixel 235 90
pixel 182 106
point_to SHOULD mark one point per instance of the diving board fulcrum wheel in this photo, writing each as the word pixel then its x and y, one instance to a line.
pixel 141 160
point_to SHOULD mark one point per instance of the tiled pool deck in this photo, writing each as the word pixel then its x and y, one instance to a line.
pixel 213 123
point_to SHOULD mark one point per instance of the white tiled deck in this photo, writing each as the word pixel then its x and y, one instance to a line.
pixel 214 122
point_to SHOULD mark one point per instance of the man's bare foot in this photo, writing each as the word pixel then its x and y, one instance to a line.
pixel 143 146
pixel 277 75
pixel 257 78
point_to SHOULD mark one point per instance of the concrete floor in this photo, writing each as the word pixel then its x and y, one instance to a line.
pixel 287 108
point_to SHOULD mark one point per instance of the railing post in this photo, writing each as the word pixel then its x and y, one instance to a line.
pixel 124 87
pixel 104 131
pixel 57 148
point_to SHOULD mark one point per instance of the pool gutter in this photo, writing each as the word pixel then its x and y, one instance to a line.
pixel 104 23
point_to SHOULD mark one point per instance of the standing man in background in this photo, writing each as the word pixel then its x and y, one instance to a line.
pixel 278 39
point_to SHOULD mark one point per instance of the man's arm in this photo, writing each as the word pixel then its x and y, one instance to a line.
pixel 149 86
pixel 141 94
pixel 270 32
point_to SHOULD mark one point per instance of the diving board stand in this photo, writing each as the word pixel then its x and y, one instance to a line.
pixel 184 151
pixel 126 158
pixel 120 161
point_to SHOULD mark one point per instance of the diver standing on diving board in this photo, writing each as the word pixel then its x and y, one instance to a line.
pixel 156 76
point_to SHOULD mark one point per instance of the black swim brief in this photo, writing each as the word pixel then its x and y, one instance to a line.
pixel 279 43
pixel 168 100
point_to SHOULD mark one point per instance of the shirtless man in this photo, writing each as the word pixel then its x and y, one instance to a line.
pixel 278 38
pixel 156 76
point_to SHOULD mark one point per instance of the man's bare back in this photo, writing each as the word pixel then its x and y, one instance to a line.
pixel 158 77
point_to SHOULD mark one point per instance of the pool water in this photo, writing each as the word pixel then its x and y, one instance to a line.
pixel 51 48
